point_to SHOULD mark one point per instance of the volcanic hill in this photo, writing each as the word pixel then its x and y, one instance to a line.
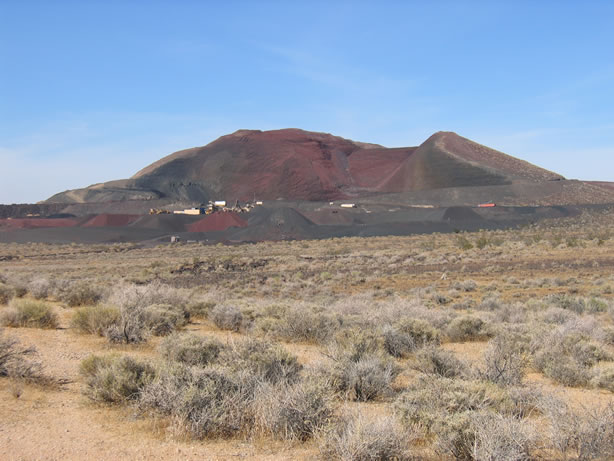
pixel 293 164
pixel 308 185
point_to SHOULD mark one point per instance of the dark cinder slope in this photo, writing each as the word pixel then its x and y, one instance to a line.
pixel 298 165
pixel 448 160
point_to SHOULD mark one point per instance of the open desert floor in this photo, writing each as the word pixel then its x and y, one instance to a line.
pixel 485 345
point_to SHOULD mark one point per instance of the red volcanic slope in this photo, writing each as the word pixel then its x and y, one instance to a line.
pixel 36 223
pixel 290 163
pixel 302 165
pixel 368 167
pixel 111 220
pixel 297 164
pixel 217 222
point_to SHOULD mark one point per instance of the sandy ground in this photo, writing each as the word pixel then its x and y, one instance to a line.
pixel 62 424
pixel 39 423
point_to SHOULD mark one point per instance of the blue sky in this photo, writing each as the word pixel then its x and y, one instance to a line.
pixel 93 91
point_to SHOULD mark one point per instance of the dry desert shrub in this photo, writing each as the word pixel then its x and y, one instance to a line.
pixel 163 319
pixel 6 293
pixel 463 243
pixel 200 308
pixel 366 379
pixel 96 320
pixel 522 401
pixel 491 302
pixel 134 296
pixel 190 349
pixel 247 386
pixel 358 370
pixel 440 299
pixel 266 361
pixel 294 412
pixel 574 304
pixel 606 335
pixel 431 400
pixel 604 378
pixel 16 361
pixel 557 315
pixel 131 327
pixel 396 343
pixel 466 286
pixel 137 323
pixel 563 369
pixel 354 437
pixel 596 305
pixel 20 290
pixel 513 313
pixel 466 328
pixel 40 288
pixel 471 419
pixel 226 317
pixel 115 379
pixel 502 438
pixel 144 310
pixel 353 342
pixel 407 335
pixel 203 402
pixel 29 313
pixel 300 323
pixel 580 434
pixel 436 361
pixel 505 359
pixel 455 436
pixel 80 293
pixel 587 325
pixel 568 358
pixel 356 305
pixel 463 305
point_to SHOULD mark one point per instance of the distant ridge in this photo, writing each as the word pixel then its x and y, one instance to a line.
pixel 294 164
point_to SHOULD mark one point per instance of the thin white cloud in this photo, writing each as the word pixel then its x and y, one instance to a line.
pixel 334 73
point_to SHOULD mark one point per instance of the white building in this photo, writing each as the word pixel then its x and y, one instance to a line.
pixel 190 211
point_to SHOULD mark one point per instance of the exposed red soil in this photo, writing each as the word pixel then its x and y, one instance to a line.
pixel 217 222
pixel 369 167
pixel 300 165
pixel 271 164
pixel 111 220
